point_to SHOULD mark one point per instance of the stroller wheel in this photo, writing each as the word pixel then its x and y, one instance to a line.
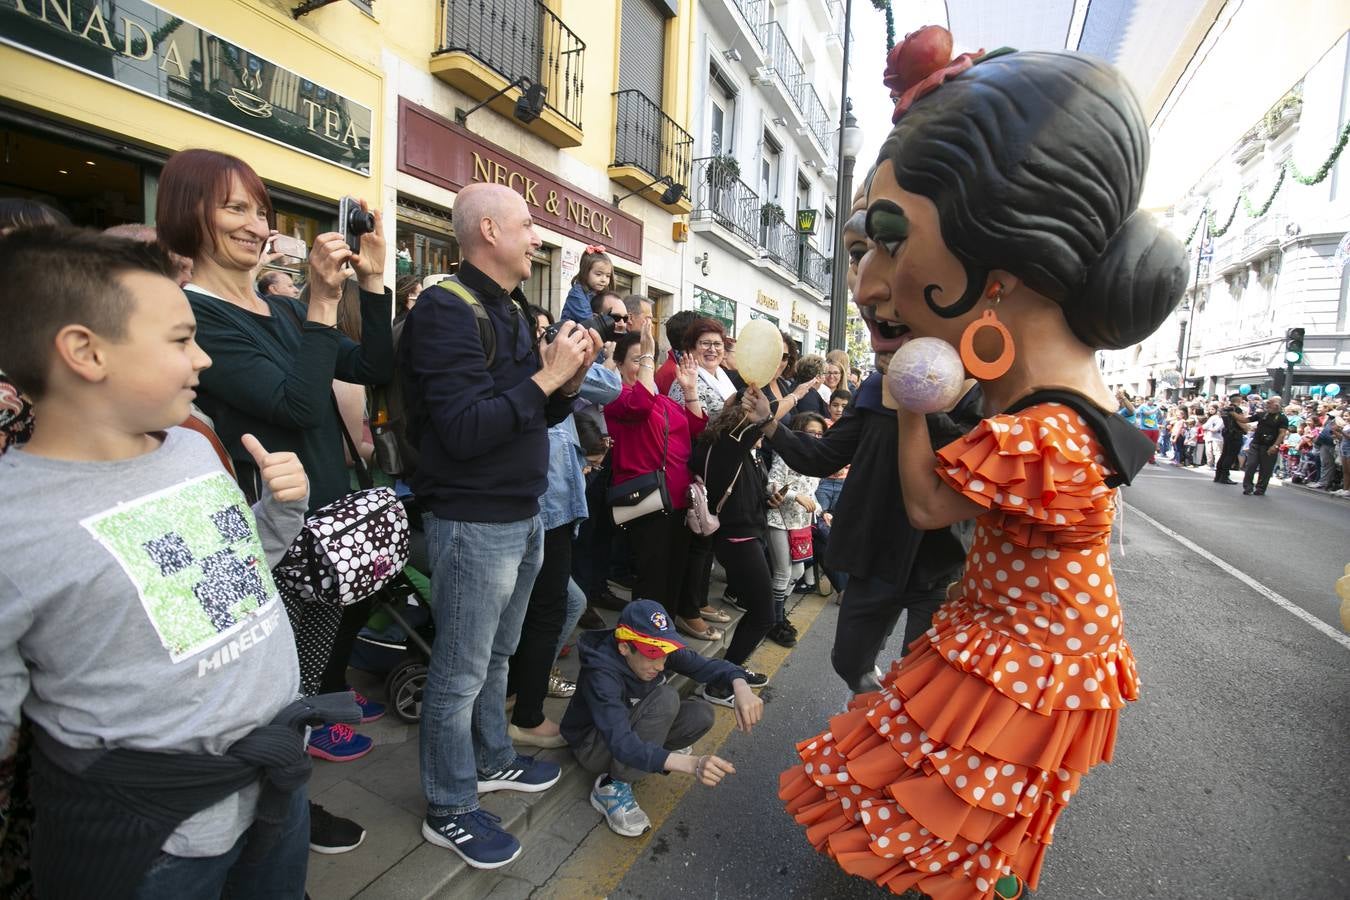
pixel 406 684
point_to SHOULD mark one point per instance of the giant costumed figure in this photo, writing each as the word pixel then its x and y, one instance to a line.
pixel 1003 219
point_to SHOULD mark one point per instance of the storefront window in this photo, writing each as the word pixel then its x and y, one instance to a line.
pixel 425 241
pixel 539 287
pixel 756 314
pixel 715 306
pixel 623 283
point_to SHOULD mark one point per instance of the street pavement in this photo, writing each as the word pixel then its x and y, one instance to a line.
pixel 1229 782
pixel 1230 773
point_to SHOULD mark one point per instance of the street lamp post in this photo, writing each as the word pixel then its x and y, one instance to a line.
pixel 850 145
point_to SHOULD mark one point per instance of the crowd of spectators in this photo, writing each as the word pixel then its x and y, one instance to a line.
pixel 1305 441
pixel 504 434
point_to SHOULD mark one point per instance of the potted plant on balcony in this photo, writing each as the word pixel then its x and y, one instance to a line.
pixel 771 214
pixel 722 171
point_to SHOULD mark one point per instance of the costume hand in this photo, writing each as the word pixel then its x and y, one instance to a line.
pixel 281 472
pixel 326 267
pixel 749 708
pixel 755 405
pixel 710 770
pixel 369 263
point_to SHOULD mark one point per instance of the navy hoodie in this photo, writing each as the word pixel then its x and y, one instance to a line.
pixel 482 432
pixel 607 690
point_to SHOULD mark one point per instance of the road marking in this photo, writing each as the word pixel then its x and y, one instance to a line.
pixel 1278 599
pixel 603 858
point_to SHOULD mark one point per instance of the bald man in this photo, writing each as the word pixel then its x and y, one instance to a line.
pixel 480 404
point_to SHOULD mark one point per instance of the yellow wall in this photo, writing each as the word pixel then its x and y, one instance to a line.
pixel 80 98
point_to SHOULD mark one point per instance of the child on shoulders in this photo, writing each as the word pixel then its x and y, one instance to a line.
pixel 595 273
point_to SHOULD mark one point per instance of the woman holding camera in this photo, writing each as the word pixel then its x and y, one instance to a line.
pixel 653 433
pixel 274 362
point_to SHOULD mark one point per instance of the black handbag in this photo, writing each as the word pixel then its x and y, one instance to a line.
pixel 647 493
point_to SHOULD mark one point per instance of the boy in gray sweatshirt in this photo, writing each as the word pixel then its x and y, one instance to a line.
pixel 137 607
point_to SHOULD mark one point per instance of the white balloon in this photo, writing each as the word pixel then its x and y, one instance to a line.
pixel 759 351
pixel 926 375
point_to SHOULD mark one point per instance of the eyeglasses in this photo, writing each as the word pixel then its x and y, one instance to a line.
pixel 710 345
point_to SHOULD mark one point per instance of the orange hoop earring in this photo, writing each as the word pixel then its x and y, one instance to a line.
pixel 995 368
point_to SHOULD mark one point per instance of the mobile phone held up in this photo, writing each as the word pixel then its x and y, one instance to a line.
pixel 289 247
pixel 354 222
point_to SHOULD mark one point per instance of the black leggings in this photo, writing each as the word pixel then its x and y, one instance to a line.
pixel 527 675
pixel 666 567
pixel 748 577
pixel 353 620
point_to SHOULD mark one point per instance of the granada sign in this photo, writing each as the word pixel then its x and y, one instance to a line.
pixel 149 50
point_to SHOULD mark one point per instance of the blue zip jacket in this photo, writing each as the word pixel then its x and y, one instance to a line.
pixel 607 689
pixel 483 432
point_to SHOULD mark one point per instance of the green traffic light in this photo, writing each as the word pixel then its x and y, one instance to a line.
pixel 1293 356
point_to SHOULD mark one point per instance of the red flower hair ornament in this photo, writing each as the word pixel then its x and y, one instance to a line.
pixel 920 64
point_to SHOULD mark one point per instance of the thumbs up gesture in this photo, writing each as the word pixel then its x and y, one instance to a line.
pixel 281 472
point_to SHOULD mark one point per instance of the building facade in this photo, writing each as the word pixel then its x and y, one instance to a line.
pixel 1263 225
pixel 95 96
pixel 767 79
pixel 582 103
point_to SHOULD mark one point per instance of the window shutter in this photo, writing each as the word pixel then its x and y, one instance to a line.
pixel 642 49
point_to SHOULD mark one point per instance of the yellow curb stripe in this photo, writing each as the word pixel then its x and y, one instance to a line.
pixel 603 858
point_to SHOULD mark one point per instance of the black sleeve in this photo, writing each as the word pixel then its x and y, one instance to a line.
pixel 820 456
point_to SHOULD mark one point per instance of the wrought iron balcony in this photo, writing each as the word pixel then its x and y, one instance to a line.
pixel 814 268
pixel 791 74
pixel 720 196
pixel 646 138
pixel 778 239
pixel 513 39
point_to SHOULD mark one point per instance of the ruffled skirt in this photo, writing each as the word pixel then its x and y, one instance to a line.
pixel 942 783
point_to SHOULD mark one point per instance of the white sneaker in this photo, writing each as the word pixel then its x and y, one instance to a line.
pixel 615 802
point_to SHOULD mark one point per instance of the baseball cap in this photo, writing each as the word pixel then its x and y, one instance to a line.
pixel 647 626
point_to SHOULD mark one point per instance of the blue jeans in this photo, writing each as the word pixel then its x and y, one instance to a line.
pixel 576 605
pixel 827 493
pixel 481 577
pixel 278 875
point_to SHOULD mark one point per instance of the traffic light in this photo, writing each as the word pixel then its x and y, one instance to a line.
pixel 1293 346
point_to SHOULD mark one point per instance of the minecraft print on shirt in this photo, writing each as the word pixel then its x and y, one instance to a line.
pixel 193 553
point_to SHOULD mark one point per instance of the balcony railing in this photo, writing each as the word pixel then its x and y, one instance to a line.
pixel 756 13
pixel 520 40
pixel 814 268
pixel 779 241
pixel 721 197
pixel 648 138
pixel 792 75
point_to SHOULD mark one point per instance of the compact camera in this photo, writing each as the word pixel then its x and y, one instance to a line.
pixel 290 247
pixel 354 222
pixel 602 323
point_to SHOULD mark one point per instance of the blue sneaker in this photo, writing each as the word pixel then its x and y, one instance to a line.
pixel 616 803
pixel 525 773
pixel 370 710
pixel 338 743
pixel 476 836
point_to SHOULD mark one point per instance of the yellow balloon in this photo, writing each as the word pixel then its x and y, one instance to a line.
pixel 759 351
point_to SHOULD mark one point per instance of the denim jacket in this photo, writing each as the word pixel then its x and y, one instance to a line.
pixel 564 500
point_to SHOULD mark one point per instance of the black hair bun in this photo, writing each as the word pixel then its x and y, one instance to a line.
pixel 1131 288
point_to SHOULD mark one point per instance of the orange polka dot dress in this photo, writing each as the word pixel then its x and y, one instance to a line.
pixel 954 774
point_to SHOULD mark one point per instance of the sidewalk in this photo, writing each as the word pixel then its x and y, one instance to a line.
pixel 383 792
